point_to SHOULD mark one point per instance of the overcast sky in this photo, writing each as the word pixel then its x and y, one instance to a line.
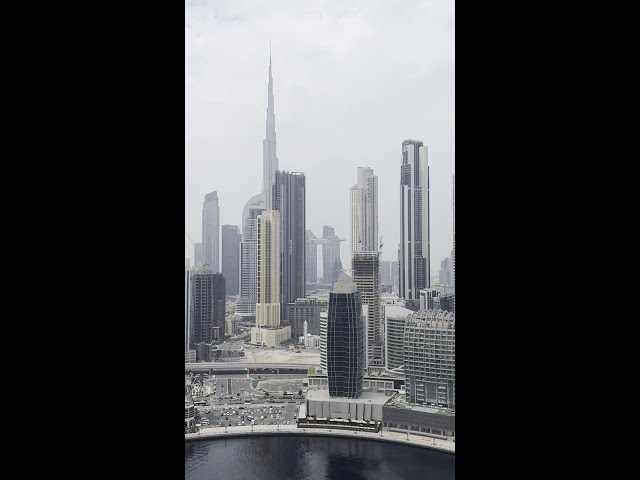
pixel 352 80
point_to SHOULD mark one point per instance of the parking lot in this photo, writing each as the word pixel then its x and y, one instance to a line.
pixel 244 415
pixel 237 388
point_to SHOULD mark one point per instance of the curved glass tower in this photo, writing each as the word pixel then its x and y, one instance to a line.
pixel 345 340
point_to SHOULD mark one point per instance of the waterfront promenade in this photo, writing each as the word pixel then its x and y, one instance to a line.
pixel 385 436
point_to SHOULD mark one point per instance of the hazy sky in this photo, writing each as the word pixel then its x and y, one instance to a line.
pixel 352 80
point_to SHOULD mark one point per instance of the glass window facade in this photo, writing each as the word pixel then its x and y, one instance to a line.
pixel 345 345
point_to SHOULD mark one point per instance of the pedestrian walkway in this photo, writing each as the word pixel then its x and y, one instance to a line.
pixel 395 437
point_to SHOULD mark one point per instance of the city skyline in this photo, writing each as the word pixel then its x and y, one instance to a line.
pixel 333 89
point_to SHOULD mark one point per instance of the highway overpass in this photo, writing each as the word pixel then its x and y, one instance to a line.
pixel 246 367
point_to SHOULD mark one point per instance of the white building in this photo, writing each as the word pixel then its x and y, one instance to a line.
pixel 366 275
pixel 269 158
pixel 268 330
pixel 364 212
pixel 248 293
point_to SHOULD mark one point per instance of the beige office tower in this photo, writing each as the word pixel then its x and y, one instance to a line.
pixel 268 330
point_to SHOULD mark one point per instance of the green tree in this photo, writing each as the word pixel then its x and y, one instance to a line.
pixel 300 392
pixel 266 394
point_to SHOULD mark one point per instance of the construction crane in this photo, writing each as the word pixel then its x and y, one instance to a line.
pixel 190 241
pixel 206 265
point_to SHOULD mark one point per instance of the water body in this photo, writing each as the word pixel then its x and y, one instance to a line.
pixel 312 458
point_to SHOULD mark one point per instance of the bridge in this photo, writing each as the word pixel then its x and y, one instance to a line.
pixel 246 367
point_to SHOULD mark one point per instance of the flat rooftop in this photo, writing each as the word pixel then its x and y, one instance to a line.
pixel 399 402
pixel 366 397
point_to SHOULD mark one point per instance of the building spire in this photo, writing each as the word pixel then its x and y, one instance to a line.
pixel 269 158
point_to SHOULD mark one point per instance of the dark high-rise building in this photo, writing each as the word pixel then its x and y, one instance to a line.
pixel 444 302
pixel 219 305
pixel 208 293
pixel 289 198
pixel 345 342
pixel 231 239
pixel 211 231
pixel 414 220
pixel 311 257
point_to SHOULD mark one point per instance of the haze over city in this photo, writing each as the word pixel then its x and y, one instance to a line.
pixel 352 80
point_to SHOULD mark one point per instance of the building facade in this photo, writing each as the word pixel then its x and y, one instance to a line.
pixel 331 264
pixel 248 294
pixel 305 309
pixel 345 341
pixel 211 231
pixel 289 198
pixel 445 271
pixel 453 252
pixel 323 340
pixel 366 275
pixel 311 266
pixel 430 358
pixel 269 158
pixel 268 330
pixel 395 318
pixel 208 297
pixel 364 212
pixel 231 239
pixel 188 312
pixel 414 220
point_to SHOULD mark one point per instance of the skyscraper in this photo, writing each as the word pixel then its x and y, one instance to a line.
pixel 330 255
pixel 345 340
pixel 208 296
pixel 198 254
pixel 289 198
pixel 364 212
pixel 395 318
pixel 445 271
pixel 219 305
pixel 311 267
pixel 211 231
pixel 269 158
pixel 188 310
pixel 430 357
pixel 268 330
pixel 246 304
pixel 414 220
pixel 231 239
pixel 366 275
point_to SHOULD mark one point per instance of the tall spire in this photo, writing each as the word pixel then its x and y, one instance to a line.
pixel 269 159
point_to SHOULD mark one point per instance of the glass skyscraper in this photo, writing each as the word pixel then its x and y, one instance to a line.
pixel 345 342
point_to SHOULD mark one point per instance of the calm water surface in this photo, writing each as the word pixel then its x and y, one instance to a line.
pixel 312 458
